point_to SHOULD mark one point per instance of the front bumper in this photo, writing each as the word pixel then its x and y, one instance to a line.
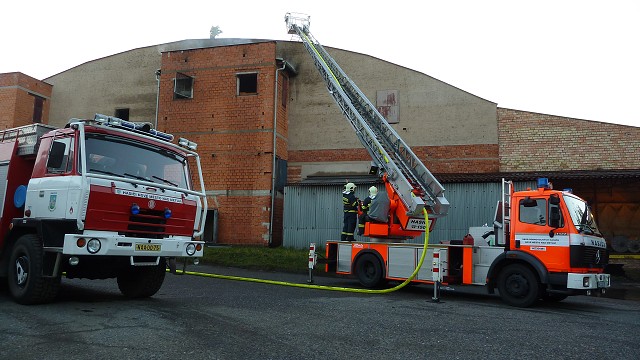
pixel 588 281
pixel 116 245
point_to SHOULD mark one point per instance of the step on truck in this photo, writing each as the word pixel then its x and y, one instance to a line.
pixel 100 198
pixel 546 244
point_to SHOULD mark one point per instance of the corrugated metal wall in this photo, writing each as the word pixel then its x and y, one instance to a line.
pixel 314 213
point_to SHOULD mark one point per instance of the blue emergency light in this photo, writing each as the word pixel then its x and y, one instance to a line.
pixel 543 183
pixel 139 127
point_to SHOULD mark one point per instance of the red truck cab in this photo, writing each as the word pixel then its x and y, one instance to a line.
pixel 101 198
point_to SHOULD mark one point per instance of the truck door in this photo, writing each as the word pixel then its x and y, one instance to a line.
pixel 534 234
pixel 49 196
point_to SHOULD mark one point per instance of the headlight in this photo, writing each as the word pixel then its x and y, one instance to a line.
pixel 93 246
pixel 191 249
pixel 585 281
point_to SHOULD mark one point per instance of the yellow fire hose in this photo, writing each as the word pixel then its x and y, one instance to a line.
pixel 323 287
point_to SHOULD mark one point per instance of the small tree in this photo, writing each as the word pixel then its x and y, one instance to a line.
pixel 215 31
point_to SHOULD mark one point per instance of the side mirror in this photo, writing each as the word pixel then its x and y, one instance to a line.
pixel 56 155
pixel 554 200
pixel 554 217
pixel 528 202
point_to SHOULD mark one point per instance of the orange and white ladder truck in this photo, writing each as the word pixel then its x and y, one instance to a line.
pixel 97 199
pixel 548 244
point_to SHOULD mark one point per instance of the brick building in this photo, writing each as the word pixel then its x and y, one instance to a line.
pixel 23 100
pixel 262 118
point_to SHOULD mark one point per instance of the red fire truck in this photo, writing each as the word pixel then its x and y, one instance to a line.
pixel 97 199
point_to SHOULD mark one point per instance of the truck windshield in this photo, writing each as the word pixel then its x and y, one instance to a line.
pixel 581 215
pixel 116 156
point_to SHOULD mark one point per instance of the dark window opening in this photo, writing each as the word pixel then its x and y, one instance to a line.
pixel 247 84
pixel 285 91
pixel 38 106
pixel 122 114
pixel 183 87
pixel 281 174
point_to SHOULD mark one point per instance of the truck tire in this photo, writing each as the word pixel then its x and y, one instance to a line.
pixel 142 281
pixel 27 284
pixel 369 270
pixel 518 285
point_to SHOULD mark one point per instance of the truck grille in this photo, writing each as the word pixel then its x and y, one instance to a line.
pixel 588 257
pixel 147 223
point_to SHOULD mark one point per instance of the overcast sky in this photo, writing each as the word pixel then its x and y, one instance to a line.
pixel 573 58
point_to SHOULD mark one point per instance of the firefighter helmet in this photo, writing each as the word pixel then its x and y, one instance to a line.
pixel 373 191
pixel 349 187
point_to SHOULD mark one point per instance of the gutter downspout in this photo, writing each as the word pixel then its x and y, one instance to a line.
pixel 273 167
pixel 155 126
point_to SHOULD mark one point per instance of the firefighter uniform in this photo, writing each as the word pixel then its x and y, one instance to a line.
pixel 350 206
pixel 364 208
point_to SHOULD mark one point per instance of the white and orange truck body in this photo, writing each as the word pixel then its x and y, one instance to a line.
pixel 545 246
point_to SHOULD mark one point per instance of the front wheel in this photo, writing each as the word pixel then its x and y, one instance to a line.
pixel 518 285
pixel 27 284
pixel 369 270
pixel 142 281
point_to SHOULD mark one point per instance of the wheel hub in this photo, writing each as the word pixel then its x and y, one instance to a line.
pixel 22 273
pixel 517 285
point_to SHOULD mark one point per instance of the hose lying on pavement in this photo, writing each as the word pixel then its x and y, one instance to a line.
pixel 323 287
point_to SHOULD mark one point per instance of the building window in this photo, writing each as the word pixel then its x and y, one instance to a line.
pixel 38 106
pixel 247 84
pixel 122 114
pixel 183 87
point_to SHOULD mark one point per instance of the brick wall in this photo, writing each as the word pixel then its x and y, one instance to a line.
pixel 17 98
pixel 451 159
pixel 538 142
pixel 234 133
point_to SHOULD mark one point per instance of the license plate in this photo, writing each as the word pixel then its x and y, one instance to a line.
pixel 147 247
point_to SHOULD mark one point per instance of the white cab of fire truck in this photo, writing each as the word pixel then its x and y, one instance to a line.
pixel 111 198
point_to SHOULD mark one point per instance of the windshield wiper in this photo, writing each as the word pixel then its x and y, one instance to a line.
pixel 585 228
pixel 165 180
pixel 105 172
pixel 137 177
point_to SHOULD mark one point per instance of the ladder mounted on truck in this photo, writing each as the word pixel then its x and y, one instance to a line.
pixel 410 179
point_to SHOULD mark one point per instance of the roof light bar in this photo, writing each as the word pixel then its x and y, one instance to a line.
pixel 139 127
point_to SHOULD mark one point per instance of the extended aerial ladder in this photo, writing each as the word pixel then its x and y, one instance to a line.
pixel 410 185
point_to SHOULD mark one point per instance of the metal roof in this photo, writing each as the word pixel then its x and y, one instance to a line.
pixel 525 176
pixel 481 177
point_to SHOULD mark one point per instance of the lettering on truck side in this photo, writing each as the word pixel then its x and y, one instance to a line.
pixel 416 224
pixel 597 242
pixel 144 195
